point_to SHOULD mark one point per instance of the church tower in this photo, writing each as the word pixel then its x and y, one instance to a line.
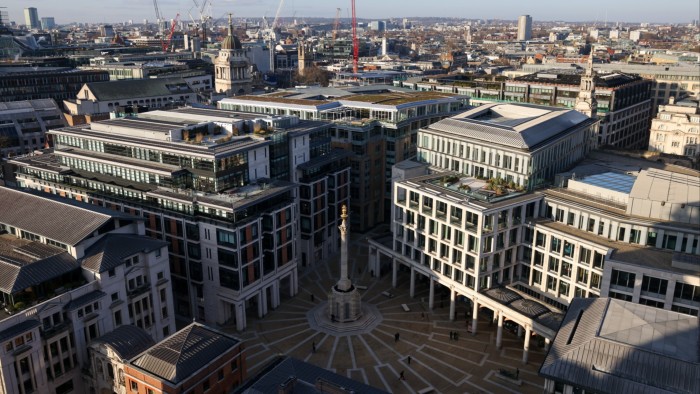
pixel 303 62
pixel 586 102
pixel 231 67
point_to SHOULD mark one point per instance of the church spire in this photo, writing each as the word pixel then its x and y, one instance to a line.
pixel 230 24
pixel 586 102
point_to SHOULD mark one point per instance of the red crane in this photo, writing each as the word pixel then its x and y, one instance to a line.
pixel 355 44
pixel 172 31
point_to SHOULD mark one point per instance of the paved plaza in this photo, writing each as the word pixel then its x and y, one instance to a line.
pixel 370 353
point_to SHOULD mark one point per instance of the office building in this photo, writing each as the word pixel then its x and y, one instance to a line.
pixel 524 27
pixel 676 129
pixel 29 83
pixel 72 272
pixel 377 124
pixel 219 188
pixel 524 145
pixel 106 31
pixel 623 102
pixel 23 125
pixel 378 26
pixel 31 18
pixel 667 81
pixel 611 346
pixel 612 226
pixel 48 23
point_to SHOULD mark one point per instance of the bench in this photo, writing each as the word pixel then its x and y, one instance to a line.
pixel 361 287
pixel 405 308
pixel 387 294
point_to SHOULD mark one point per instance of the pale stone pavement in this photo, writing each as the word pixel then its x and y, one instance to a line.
pixel 467 365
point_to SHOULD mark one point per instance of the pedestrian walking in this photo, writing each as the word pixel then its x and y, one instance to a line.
pixel 313 346
pixel 396 337
pixel 409 360
pixel 401 377
pixel 451 334
pixel 517 372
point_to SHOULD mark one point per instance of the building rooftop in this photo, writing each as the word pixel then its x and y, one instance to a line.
pixel 127 341
pixel 159 134
pixel 25 263
pixel 111 250
pixel 302 378
pixel 184 353
pixel 515 125
pixel 644 256
pixel 668 187
pixel 49 216
pixel 611 346
pixel 329 98
pixel 28 106
pixel 611 180
pixel 460 187
pixel 230 200
pixel 572 77
pixel 128 89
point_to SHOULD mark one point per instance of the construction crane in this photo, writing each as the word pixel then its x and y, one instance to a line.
pixel 355 43
pixel 336 24
pixel 277 14
pixel 158 21
pixel 166 46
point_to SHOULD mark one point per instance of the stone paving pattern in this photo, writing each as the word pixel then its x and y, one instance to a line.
pixel 467 365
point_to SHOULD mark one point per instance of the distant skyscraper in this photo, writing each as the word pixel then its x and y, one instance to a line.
pixel 48 23
pixel 524 27
pixel 31 18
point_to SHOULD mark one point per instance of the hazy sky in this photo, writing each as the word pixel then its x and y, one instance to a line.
pixel 682 11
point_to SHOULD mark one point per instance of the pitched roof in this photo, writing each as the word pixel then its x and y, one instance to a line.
pixel 26 263
pixel 129 89
pixel 184 353
pixel 84 299
pixel 111 250
pixel 611 346
pixel 18 328
pixel 59 219
pixel 127 341
pixel 518 126
pixel 307 374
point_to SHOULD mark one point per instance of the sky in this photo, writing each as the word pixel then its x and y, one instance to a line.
pixel 670 11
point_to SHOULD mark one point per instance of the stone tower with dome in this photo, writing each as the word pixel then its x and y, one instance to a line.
pixel 231 67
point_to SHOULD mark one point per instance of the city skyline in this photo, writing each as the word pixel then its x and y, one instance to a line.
pixel 595 10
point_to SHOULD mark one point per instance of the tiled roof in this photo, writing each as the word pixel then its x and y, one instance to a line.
pixel 184 353
pixel 27 263
pixel 127 341
pixel 61 220
pixel 111 250
pixel 84 300
pixel 18 328
pixel 611 346
pixel 128 89
pixel 269 380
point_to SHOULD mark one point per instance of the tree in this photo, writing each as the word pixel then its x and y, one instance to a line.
pixel 313 75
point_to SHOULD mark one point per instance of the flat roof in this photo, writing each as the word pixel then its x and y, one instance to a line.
pixel 611 180
pixel 637 255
